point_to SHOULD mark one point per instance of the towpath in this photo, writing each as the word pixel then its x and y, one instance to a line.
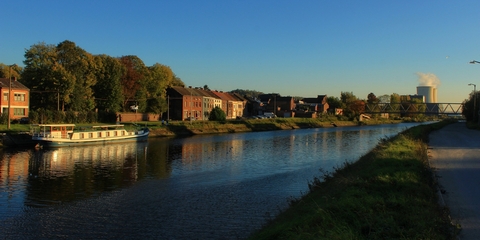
pixel 455 157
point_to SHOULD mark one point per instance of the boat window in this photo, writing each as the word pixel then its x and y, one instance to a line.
pixel 82 135
pixel 90 135
pixel 99 134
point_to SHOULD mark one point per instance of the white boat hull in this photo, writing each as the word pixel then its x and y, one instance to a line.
pixel 91 137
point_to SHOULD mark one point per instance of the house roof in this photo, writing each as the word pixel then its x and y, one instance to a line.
pixel 4 83
pixel 224 96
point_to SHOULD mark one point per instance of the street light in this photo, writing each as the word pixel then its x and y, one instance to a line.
pixel 474 99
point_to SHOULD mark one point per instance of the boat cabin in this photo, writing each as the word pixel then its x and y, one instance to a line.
pixel 53 130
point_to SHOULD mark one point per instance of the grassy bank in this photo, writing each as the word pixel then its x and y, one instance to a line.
pixel 387 194
pixel 250 125
pixel 179 128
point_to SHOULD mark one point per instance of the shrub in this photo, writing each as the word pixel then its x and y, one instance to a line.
pixel 217 114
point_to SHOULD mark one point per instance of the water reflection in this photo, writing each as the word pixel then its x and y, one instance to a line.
pixel 67 174
pixel 230 181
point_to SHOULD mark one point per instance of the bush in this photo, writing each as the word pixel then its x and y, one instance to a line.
pixel 217 114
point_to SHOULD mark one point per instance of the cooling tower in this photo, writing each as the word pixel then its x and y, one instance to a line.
pixel 429 92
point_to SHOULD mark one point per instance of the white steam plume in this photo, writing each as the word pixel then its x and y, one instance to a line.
pixel 428 79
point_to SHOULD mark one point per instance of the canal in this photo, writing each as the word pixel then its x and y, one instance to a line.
pixel 201 187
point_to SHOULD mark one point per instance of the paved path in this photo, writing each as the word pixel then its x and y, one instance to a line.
pixel 455 156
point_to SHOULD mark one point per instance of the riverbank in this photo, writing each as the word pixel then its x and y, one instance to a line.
pixel 181 128
pixel 18 134
pixel 389 193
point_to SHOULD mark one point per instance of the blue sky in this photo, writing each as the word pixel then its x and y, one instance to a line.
pixel 295 48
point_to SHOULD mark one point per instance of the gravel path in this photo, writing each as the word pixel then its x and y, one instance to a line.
pixel 455 156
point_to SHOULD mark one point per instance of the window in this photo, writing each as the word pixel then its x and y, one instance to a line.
pixel 19 97
pixel 19 111
pixel 5 96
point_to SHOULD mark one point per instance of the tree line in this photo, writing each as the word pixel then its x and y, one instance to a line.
pixel 67 78
pixel 67 81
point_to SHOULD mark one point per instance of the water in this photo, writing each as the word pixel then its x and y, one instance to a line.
pixel 202 187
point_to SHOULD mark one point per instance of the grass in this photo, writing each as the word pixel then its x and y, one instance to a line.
pixel 390 193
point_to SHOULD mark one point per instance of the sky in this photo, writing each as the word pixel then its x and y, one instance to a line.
pixel 294 48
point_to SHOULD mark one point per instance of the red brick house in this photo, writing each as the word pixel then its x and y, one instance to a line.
pixel 19 98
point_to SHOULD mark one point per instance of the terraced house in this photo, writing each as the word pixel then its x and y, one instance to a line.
pixel 16 97
pixel 197 103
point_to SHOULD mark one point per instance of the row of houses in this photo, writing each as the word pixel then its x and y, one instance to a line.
pixel 197 103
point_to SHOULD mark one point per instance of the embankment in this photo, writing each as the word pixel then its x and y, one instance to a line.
pixel 390 193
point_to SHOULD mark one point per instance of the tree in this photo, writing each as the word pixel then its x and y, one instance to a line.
pixel 42 74
pixel 132 80
pixel 371 98
pixel 468 110
pixel 160 77
pixel 372 103
pixel 176 81
pixel 347 97
pixel 384 98
pixel 10 71
pixel 352 106
pixel 334 102
pixel 356 108
pixel 395 98
pixel 108 90
pixel 247 93
pixel 78 78
pixel 217 114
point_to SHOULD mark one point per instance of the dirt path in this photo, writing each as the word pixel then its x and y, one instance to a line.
pixel 455 156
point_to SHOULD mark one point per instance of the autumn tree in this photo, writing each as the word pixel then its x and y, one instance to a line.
pixel 372 103
pixel 10 71
pixel 135 71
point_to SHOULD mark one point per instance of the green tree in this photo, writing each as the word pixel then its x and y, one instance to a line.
pixel 347 97
pixel 79 77
pixel 108 90
pixel 42 75
pixel 176 81
pixel 395 98
pixel 160 77
pixel 248 93
pixel 352 106
pixel 334 102
pixel 217 114
pixel 384 98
